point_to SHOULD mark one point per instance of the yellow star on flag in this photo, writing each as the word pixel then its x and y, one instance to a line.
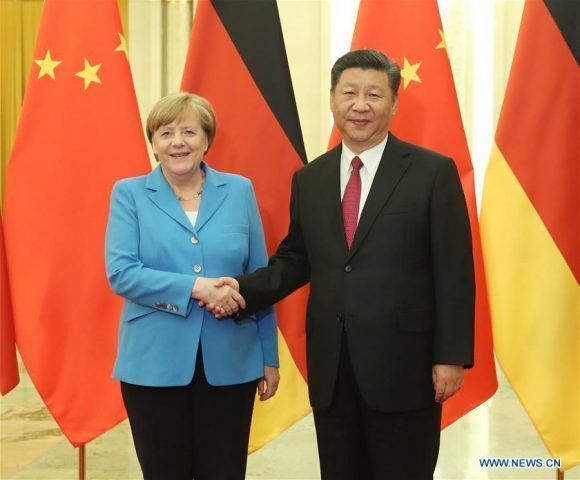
pixel 409 72
pixel 47 66
pixel 442 43
pixel 89 73
pixel 122 47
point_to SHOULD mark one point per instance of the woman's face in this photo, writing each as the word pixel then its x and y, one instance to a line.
pixel 180 145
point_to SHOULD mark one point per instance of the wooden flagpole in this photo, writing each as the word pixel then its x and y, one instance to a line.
pixel 82 464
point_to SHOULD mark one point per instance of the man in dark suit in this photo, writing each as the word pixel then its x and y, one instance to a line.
pixel 379 228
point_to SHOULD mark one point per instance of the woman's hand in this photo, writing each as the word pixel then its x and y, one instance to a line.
pixel 224 297
pixel 268 385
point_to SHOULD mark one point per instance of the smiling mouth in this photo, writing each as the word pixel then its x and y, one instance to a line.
pixel 179 155
pixel 359 122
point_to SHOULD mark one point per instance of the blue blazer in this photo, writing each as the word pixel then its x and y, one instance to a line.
pixel 153 256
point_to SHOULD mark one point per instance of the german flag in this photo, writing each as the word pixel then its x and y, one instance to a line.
pixel 530 222
pixel 428 115
pixel 237 60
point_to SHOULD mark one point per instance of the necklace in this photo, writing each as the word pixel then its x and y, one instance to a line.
pixel 193 195
pixel 190 197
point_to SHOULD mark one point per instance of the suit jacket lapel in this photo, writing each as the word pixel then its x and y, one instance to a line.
pixel 394 163
pixel 162 195
pixel 330 188
pixel 214 194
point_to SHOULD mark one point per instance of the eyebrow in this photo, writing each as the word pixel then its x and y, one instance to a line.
pixel 374 85
pixel 168 127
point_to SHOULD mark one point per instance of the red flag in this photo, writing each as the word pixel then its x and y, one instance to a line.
pixel 79 132
pixel 237 60
pixel 8 363
pixel 410 33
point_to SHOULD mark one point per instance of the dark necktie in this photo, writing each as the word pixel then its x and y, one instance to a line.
pixel 351 201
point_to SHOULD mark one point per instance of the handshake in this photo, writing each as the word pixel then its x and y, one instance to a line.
pixel 218 295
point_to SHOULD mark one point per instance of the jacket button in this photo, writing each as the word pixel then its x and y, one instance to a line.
pixel 194 240
pixel 348 268
pixel 175 308
pixel 158 304
pixel 197 268
pixel 169 306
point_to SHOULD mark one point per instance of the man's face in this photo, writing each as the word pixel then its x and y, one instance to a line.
pixel 362 105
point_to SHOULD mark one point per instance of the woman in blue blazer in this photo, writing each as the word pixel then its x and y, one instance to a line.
pixel 188 380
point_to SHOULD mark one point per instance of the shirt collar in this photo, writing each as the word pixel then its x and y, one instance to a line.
pixel 370 158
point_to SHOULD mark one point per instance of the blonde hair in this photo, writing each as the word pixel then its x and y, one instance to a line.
pixel 174 105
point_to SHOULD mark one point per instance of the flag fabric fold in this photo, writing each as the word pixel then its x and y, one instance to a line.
pixel 237 60
pixel 530 222
pixel 79 131
pixel 9 377
pixel 411 34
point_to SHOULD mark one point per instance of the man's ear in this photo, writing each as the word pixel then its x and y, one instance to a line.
pixel 331 101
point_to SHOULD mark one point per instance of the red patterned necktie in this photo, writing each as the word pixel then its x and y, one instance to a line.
pixel 351 201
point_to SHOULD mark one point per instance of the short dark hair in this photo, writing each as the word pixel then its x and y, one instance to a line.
pixel 367 59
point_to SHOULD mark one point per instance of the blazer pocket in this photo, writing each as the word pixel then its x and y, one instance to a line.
pixel 236 228
pixel 419 320
pixel 132 310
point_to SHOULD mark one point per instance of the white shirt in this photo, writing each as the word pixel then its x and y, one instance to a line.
pixel 192 217
pixel 370 159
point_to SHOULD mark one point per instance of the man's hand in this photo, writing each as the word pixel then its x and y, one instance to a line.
pixel 268 385
pixel 447 380
pixel 223 298
pixel 216 308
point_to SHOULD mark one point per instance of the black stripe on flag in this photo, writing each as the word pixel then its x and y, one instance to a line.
pixel 566 14
pixel 255 30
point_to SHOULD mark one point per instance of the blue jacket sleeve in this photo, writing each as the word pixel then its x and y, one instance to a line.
pixel 127 275
pixel 258 257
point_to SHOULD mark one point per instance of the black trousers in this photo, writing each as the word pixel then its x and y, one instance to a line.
pixel 197 431
pixel 356 442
